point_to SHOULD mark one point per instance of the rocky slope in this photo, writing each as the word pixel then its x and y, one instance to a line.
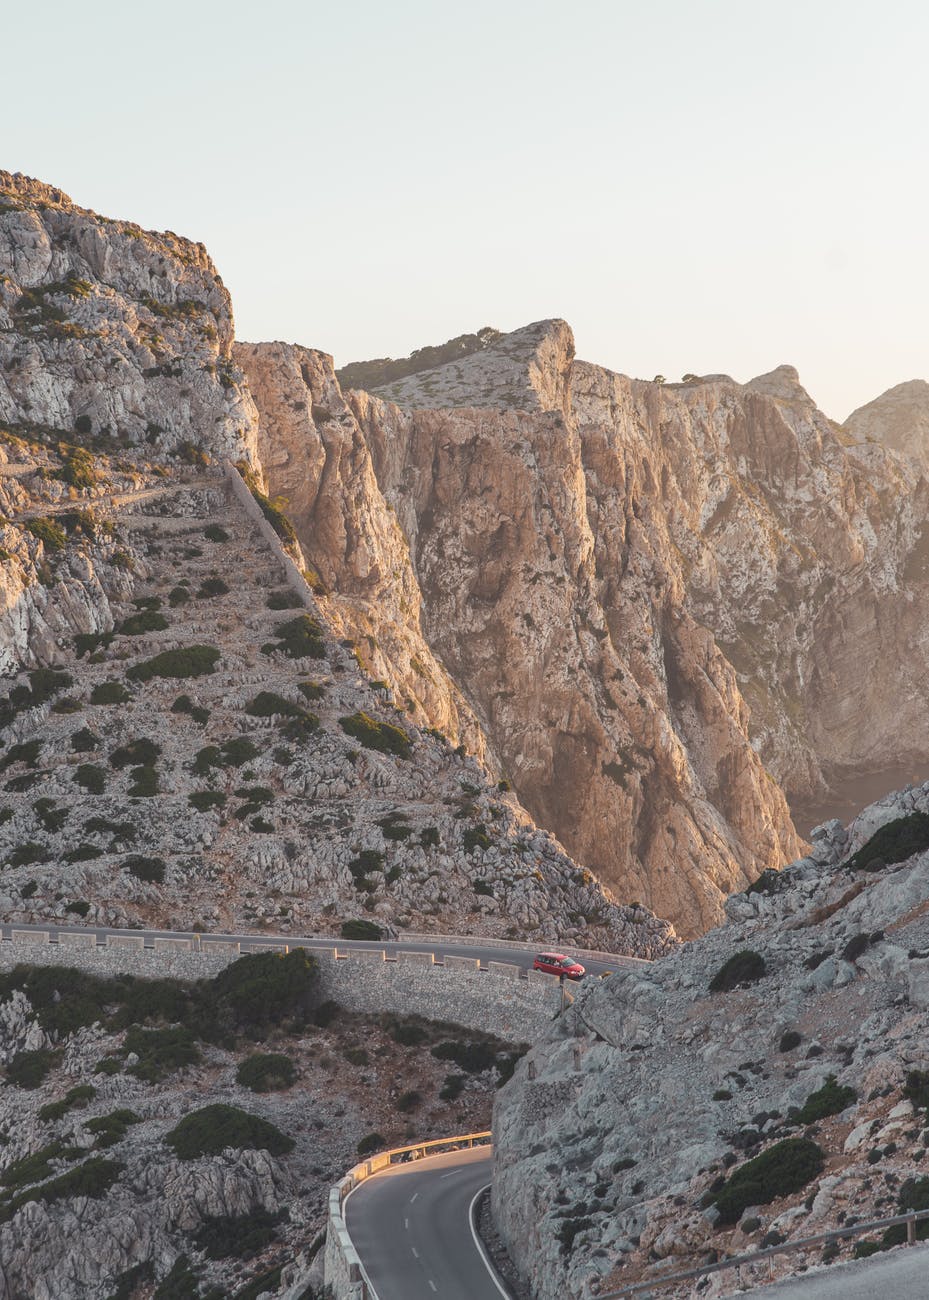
pixel 652 596
pixel 898 418
pixel 622 1146
pixel 97 1200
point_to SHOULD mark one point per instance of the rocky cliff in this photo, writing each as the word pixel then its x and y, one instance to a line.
pixel 898 418
pixel 656 598
pixel 767 1082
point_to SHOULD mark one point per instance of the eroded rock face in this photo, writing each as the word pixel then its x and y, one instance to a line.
pixel 652 596
pixel 617 1131
pixel 898 418
pixel 113 331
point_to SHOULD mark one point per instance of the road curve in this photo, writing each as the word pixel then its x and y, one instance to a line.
pixel 518 956
pixel 410 1225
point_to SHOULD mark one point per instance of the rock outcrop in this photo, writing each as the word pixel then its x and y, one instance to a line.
pixel 652 596
pixel 616 1141
pixel 898 418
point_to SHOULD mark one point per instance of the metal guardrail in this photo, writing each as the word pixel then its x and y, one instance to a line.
pixel 644 1289
pixel 480 940
pixel 366 1169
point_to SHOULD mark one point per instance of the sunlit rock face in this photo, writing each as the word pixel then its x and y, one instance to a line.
pixel 666 604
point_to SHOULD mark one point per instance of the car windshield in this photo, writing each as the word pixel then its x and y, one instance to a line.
pixel 567 961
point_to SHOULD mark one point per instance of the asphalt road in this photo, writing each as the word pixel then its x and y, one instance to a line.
pixel 411 1228
pixel 518 956
pixel 899 1275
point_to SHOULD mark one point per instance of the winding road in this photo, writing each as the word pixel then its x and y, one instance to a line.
pixel 439 945
pixel 411 1226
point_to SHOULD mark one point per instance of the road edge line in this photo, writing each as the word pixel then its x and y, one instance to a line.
pixel 481 1248
pixel 364 1272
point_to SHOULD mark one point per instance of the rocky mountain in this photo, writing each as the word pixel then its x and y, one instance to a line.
pixel 767 1082
pixel 661 602
pixel 898 418
pixel 186 738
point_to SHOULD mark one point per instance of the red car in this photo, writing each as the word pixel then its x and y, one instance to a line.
pixel 556 963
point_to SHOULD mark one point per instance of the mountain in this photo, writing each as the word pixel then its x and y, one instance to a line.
pixel 898 418
pixel 654 607
pixel 765 1083
pixel 188 738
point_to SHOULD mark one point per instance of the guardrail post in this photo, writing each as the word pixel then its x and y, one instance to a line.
pixel 911 1230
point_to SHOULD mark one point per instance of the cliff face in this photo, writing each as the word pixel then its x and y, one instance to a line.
pixel 620 1143
pixel 898 418
pixel 110 330
pixel 651 595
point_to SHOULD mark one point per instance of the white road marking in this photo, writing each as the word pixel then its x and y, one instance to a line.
pixel 406 1224
pixel 415 1252
pixel 451 1175
pixel 413 1197
pixel 432 1284
pixel 480 1245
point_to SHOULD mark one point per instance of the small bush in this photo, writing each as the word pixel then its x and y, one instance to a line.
pixel 789 1041
pixel 285 599
pixel 781 1170
pixel 300 638
pixel 476 837
pixel 744 967
pixel 267 704
pixel 49 532
pixel 241 1236
pixel 91 777
pixel 381 736
pixel 916 1088
pixel 409 1100
pixel 92 1179
pixel 212 587
pixel 29 1069
pixel 25 752
pixel 827 1100
pixel 150 870
pixel 452 1088
pixel 80 907
pixel 855 947
pixel 266 1072
pixel 192 661
pixel 147 620
pixel 83 853
pixel 178 596
pixel 204 800
pixel 144 783
pixel 370 1142
pixel 472 1057
pixel 83 741
pixel 137 753
pixel 160 1051
pixel 109 693
pixel 214 533
pixel 894 842
pixel 311 690
pixel 73 1099
pixel 110 1129
pixel 209 1131
pixel 360 929
pixel 24 855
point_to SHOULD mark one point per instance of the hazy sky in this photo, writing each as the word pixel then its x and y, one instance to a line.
pixel 705 185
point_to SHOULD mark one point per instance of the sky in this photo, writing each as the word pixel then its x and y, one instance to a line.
pixel 695 185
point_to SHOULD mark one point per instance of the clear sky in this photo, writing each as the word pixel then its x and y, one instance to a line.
pixel 696 185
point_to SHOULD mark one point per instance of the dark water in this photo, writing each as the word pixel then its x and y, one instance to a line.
pixel 853 793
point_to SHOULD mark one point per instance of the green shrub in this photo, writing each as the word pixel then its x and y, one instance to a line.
pixel 138 753
pixel 270 509
pixel 52 818
pixel 356 1056
pixel 409 1100
pixel 44 683
pixel 110 1129
pixel 79 907
pixel 789 1041
pixel 181 1282
pixel 470 1056
pixel 49 532
pixel 151 870
pixel 311 690
pixel 74 1098
pixel 109 693
pixel 29 1069
pixel 476 837
pixel 88 643
pixel 91 777
pixel 178 596
pixel 894 842
pixel 266 1072
pixel 241 1236
pixel 452 1088
pixel 144 783
pixel 78 469
pixel 285 599
pixel 382 736
pixel 360 929
pixel 83 741
pixel 184 704
pixel 203 800
pixel 429 837
pixel 147 620
pixel 160 1051
pixel 24 855
pixel 744 967
pixel 267 988
pixel 916 1088
pixel 122 560
pixel 92 1179
pixel 210 1130
pixel 122 832
pixel 25 752
pixel 33 1168
pixel 83 853
pixel 300 638
pixel 212 587
pixel 108 1065
pixel 370 1142
pixel 266 705
pixel 214 533
pixel 779 1171
pixel 192 661
pixel 831 1098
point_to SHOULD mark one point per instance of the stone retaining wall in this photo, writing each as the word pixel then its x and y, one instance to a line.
pixel 517 1010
